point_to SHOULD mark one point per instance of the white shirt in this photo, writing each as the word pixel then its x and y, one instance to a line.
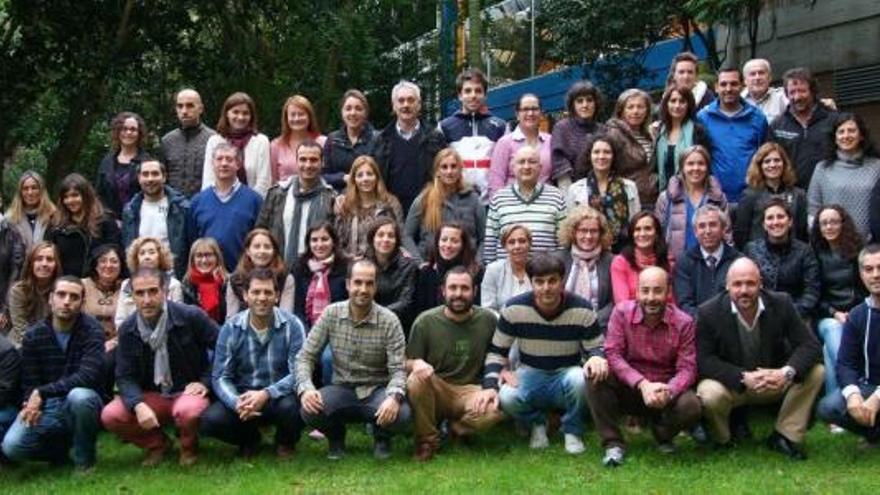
pixel 749 326
pixel 717 254
pixel 154 219
pixel 287 218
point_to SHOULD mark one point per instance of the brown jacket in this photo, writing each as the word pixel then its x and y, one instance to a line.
pixel 632 162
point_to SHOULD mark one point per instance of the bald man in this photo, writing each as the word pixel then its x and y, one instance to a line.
pixel 652 355
pixel 184 147
pixel 753 348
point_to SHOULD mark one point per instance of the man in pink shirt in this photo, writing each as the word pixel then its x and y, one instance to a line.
pixel 651 350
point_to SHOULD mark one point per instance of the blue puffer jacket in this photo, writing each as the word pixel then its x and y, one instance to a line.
pixel 178 208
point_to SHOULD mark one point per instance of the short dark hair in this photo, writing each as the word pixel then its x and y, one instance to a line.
pixel 545 264
pixel 583 88
pixel 152 159
pixel 146 272
pixel 471 75
pixel 868 250
pixel 801 74
pixel 362 261
pixel 261 274
pixel 731 68
pixel 457 270
pixel 780 203
pixel 70 279
pixel 310 143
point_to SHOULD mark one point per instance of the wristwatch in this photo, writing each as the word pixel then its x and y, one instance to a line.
pixel 398 397
pixel 789 373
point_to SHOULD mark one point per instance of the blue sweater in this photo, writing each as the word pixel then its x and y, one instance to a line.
pixel 734 140
pixel 858 360
pixel 228 223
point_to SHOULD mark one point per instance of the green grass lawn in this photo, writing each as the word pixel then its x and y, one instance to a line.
pixel 495 462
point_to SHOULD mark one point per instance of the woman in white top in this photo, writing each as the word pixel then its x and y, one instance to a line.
pixel 506 277
pixel 146 252
pixel 238 127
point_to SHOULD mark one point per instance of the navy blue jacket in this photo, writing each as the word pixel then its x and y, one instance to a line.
pixel 178 208
pixel 858 360
pixel 694 283
pixel 302 277
pixel 460 124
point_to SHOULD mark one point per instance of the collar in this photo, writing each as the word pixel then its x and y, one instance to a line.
pixel 734 310
pixel 410 134
pixel 717 253
pixel 372 316
pixel 518 135
pixel 638 316
pixel 535 192
pixel 232 191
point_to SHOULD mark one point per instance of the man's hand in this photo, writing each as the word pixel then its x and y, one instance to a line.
pixel 422 369
pixel 110 344
pixel 507 377
pixel 31 411
pixel 196 388
pixel 312 403
pixel 485 401
pixel 856 407
pixel 145 416
pixel 596 369
pixel 387 412
pixel 773 380
pixel 655 394
pixel 251 403
pixel 753 380
pixel 873 405
pixel 841 316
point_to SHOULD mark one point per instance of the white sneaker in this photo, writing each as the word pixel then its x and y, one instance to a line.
pixel 573 444
pixel 835 429
pixel 613 456
pixel 539 437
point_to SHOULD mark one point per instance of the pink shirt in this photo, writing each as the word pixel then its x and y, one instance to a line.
pixel 625 280
pixel 282 159
pixel 501 167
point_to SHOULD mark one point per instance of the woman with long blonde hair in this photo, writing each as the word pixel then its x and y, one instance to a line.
pixel 206 278
pixel 31 210
pixel 447 198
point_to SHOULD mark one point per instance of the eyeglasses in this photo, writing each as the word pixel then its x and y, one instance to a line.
pixel 530 109
pixel 132 130
pixel 204 255
pixel 587 231
pixel 830 223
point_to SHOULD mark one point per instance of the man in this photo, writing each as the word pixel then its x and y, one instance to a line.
pixel 254 372
pixel 184 147
pixel 753 348
pixel 758 92
pixel 162 371
pixel 701 272
pixel 445 354
pixel 158 211
pixel 473 131
pixel 62 359
pixel 652 355
pixel 292 207
pixel 405 149
pixel 805 127
pixel 684 71
pixel 855 405
pixel 555 332
pixel 368 367
pixel 736 129
pixel 226 211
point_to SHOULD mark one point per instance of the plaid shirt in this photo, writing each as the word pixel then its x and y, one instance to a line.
pixel 243 363
pixel 666 353
pixel 366 354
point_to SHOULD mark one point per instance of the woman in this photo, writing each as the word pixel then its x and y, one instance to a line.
pixel 238 126
pixel 527 133
pixel 836 243
pixel 630 129
pixel 847 177
pixel 688 190
pixel 445 199
pixel 117 174
pixel 452 247
pixel 261 250
pixel 319 274
pixel 586 235
pixel 676 131
pixel 787 264
pixel 12 254
pixel 206 278
pixel 298 124
pixel 770 175
pixel 365 199
pixel 29 297
pixel 396 280
pixel 353 139
pixel 647 247
pixel 507 277
pixel 102 287
pixel 31 210
pixel 604 190
pixel 80 225
pixel 570 135
pixel 147 252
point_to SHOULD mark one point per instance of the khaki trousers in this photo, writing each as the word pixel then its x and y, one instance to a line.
pixel 794 414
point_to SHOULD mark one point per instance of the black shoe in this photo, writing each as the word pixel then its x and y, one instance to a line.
pixel 336 450
pixel 249 451
pixel 739 426
pixel 699 434
pixel 776 441
pixel 382 448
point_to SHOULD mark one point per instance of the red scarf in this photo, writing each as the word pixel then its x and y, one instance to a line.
pixel 318 293
pixel 240 140
pixel 210 287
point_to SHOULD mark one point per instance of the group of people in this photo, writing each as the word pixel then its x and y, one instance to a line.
pixel 669 273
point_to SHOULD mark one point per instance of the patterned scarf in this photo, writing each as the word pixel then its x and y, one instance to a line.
pixel 318 294
pixel 584 263
pixel 240 140
pixel 157 339
pixel 614 203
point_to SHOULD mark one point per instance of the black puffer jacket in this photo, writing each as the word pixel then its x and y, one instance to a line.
pixel 339 153
pixel 842 288
pixel 749 224
pixel 791 268
pixel 396 287
pixel 12 253
pixel 77 244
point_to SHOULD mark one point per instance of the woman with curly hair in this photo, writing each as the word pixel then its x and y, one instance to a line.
pixel 647 247
pixel 29 297
pixel 146 252
pixel 117 179
pixel 365 199
pixel 586 236
pixel 31 211
pixel 204 283
pixel 102 287
pixel 260 251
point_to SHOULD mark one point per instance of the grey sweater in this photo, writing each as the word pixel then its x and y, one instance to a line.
pixel 847 181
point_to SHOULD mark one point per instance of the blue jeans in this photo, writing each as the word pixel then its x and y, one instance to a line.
pixel 830 330
pixel 326 366
pixel 540 390
pixel 832 409
pixel 74 419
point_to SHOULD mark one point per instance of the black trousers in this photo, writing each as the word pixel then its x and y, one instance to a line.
pixel 341 406
pixel 220 422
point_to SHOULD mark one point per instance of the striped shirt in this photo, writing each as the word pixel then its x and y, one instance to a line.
pixel 243 361
pixel 366 354
pixel 563 341
pixel 542 214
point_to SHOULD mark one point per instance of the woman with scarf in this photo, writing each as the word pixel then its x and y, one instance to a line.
pixel 319 274
pixel 29 297
pixel 452 247
pixel 571 134
pixel 298 124
pixel 238 126
pixel 117 180
pixel 365 200
pixel 396 280
pixel 204 284
pixel 260 251
pixel 356 137
pixel 146 252
pixel 676 131
pixel 586 235
pixel 646 247
pixel 604 190
pixel 31 210
pixel 787 264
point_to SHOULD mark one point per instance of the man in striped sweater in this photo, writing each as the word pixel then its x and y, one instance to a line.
pixel 556 332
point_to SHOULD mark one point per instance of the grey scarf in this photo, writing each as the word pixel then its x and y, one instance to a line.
pixel 157 339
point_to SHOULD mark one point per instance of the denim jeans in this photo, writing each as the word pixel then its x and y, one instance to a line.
pixel 540 390
pixel 832 409
pixel 830 330
pixel 7 417
pixel 64 421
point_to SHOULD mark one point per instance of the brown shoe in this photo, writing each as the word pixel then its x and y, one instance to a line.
pixel 187 459
pixel 154 456
pixel 284 452
pixel 424 452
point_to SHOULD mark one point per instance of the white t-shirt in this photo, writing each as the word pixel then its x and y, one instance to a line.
pixel 154 219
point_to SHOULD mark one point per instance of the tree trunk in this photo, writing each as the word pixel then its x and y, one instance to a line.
pixel 475 35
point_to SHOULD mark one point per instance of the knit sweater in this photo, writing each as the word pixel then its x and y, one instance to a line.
pixel 184 153
pixel 847 182
pixel 228 223
pixel 541 213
